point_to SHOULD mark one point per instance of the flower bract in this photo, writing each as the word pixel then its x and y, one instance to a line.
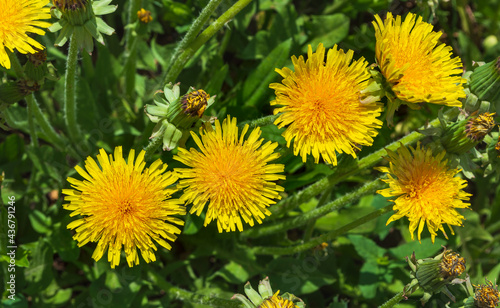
pixel 321 105
pixel 17 19
pixel 426 190
pixel 124 204
pixel 231 174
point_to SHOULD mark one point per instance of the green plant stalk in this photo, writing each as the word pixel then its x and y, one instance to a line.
pixel 267 120
pixel 34 110
pixel 15 65
pixel 304 218
pixel 190 49
pixel 264 250
pixel 70 92
pixel 393 301
pixel 193 31
pixel 47 129
pixel 130 48
pixel 152 147
pixel 31 123
pixel 176 293
pixel 366 162
pixel 308 231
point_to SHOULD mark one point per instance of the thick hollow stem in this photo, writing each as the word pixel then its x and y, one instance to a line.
pixel 312 215
pixel 264 250
pixel 70 92
pixel 191 48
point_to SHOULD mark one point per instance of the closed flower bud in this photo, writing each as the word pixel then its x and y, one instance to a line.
pixel 485 81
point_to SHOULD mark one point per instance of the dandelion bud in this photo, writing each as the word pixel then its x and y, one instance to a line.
pixel 433 274
pixel 485 81
pixel 78 20
pixel 462 136
pixel 265 298
pixel 176 116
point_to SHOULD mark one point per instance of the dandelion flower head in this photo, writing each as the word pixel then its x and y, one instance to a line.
pixel 417 67
pixel 321 105
pixel 231 174
pixel 124 204
pixel 277 301
pixel 426 190
pixel 17 19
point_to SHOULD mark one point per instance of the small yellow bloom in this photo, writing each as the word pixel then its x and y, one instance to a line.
pixel 17 19
pixel 427 190
pixel 417 68
pixel 231 174
pixel 144 16
pixel 277 301
pixel 321 105
pixel 123 204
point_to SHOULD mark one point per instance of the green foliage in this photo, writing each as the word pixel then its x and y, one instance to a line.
pixel 362 267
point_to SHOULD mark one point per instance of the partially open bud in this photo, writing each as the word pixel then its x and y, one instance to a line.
pixel 463 135
pixel 432 275
pixel 176 116
pixel 265 298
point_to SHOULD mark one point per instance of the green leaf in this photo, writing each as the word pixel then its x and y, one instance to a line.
pixel 298 276
pixel 365 247
pixel 39 275
pixel 422 250
pixel 233 273
pixel 257 83
pixel 327 29
pixel 368 279
pixel 40 222
pixel 63 243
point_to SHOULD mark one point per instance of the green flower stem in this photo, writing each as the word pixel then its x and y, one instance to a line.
pixel 44 124
pixel 328 182
pixel 152 147
pixel 70 92
pixel 31 123
pixel 190 49
pixel 176 293
pixel 304 218
pixel 393 301
pixel 267 120
pixel 15 65
pixel 191 35
pixel 312 222
pixel 130 48
pixel 264 250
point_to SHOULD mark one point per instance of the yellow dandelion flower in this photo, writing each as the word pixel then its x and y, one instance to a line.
pixel 417 68
pixel 426 188
pixel 232 174
pixel 277 301
pixel 123 204
pixel 17 19
pixel 321 105
pixel 144 16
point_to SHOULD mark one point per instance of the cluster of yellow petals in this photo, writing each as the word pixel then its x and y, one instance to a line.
pixel 321 105
pixel 17 19
pixel 426 188
pixel 231 174
pixel 124 205
pixel 418 68
pixel 277 301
